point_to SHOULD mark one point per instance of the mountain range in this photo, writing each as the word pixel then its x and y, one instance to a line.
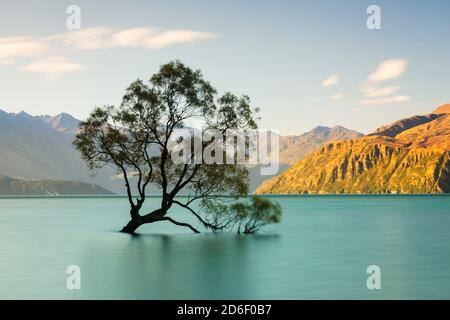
pixel 10 186
pixel 411 155
pixel 40 148
pixel 295 148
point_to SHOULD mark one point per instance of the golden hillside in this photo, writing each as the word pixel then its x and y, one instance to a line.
pixel 416 160
pixel 445 108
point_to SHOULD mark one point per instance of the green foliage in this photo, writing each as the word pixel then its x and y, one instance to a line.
pixel 245 216
pixel 256 214
pixel 135 138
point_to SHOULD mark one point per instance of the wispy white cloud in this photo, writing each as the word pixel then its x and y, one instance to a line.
pixel 143 37
pixel 12 49
pixel 155 39
pixel 36 54
pixel 382 101
pixel 134 37
pixel 336 96
pixel 371 91
pixel 52 66
pixel 388 69
pixel 331 81
pixel 84 39
pixel 172 37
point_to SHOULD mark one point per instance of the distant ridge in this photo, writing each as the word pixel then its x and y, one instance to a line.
pixel 10 186
pixel 399 126
pixel 445 108
pixel 295 148
pixel 409 156
pixel 40 147
pixel 63 122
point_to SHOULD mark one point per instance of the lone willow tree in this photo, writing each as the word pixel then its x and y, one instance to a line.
pixel 136 138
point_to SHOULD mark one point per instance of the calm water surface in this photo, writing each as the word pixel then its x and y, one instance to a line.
pixel 320 250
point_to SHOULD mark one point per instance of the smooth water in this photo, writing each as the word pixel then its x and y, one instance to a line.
pixel 321 249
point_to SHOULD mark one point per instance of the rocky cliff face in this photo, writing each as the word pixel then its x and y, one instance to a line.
pixel 414 160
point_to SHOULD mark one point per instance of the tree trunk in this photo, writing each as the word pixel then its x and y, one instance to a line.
pixel 131 226
pixel 137 221
pixel 157 215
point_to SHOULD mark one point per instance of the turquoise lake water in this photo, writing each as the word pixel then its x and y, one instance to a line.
pixel 321 249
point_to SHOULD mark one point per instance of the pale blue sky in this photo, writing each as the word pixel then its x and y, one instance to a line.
pixel 278 52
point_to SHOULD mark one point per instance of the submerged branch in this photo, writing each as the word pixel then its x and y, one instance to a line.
pixel 183 224
pixel 203 222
